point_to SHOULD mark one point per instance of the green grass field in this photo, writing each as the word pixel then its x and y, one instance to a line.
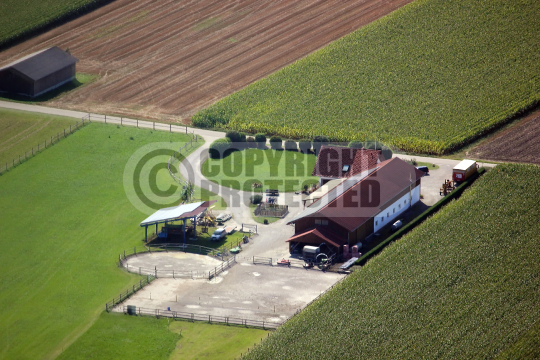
pixel 19 17
pixel 428 78
pixel 275 169
pixel 21 130
pixel 66 215
pixel 464 284
pixel 118 336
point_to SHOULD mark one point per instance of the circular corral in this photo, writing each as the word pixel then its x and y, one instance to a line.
pixel 164 263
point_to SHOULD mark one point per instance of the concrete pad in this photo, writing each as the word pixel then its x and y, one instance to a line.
pixel 244 291
pixel 173 260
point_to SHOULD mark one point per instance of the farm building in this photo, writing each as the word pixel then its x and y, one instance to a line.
pixel 38 73
pixel 334 162
pixel 182 212
pixel 356 208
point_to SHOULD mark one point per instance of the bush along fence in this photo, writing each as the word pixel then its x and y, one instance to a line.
pixel 420 218
pixel 177 315
pixel 44 145
pixel 125 295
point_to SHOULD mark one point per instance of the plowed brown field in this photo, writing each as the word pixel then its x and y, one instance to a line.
pixel 518 144
pixel 166 59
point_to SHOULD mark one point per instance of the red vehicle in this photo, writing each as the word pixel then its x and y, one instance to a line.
pixel 464 170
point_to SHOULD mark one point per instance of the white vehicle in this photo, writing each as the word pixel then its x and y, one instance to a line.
pixel 396 225
pixel 223 217
pixel 218 234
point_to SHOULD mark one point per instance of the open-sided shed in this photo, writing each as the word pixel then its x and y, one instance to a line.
pixel 38 73
pixel 175 213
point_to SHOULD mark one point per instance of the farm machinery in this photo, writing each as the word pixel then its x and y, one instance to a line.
pixel 206 220
pixel 447 187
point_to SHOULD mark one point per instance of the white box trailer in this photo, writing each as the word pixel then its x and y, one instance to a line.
pixel 464 170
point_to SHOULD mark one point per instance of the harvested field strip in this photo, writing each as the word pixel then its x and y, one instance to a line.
pixel 171 58
pixel 519 144
pixel 464 284
pixel 425 79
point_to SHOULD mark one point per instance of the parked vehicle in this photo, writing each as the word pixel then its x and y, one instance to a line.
pixel 425 169
pixel 218 234
pixel 464 169
pixel 396 225
pixel 223 217
pixel 310 252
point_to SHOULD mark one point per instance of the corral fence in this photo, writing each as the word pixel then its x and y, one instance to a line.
pixel 107 119
pixel 222 254
pixel 265 209
pixel 42 146
pixel 221 268
pixel 176 274
pixel 260 260
pixel 178 315
pixel 125 295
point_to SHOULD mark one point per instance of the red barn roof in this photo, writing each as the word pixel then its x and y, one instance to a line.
pixel 319 235
pixel 361 197
pixel 333 160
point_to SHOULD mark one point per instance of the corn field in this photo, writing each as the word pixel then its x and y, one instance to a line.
pixel 429 78
pixel 464 284
pixel 21 16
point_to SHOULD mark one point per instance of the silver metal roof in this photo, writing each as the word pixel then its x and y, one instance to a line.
pixel 171 213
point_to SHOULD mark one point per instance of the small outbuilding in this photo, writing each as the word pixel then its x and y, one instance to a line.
pixel 38 73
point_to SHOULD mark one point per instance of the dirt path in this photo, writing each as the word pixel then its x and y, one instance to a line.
pixel 166 59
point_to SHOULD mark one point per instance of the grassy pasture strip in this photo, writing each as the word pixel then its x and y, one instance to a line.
pixel 464 284
pixel 29 17
pixel 21 132
pixel 117 336
pixel 428 78
pixel 65 218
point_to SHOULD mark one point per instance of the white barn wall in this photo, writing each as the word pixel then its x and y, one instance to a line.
pixel 405 203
